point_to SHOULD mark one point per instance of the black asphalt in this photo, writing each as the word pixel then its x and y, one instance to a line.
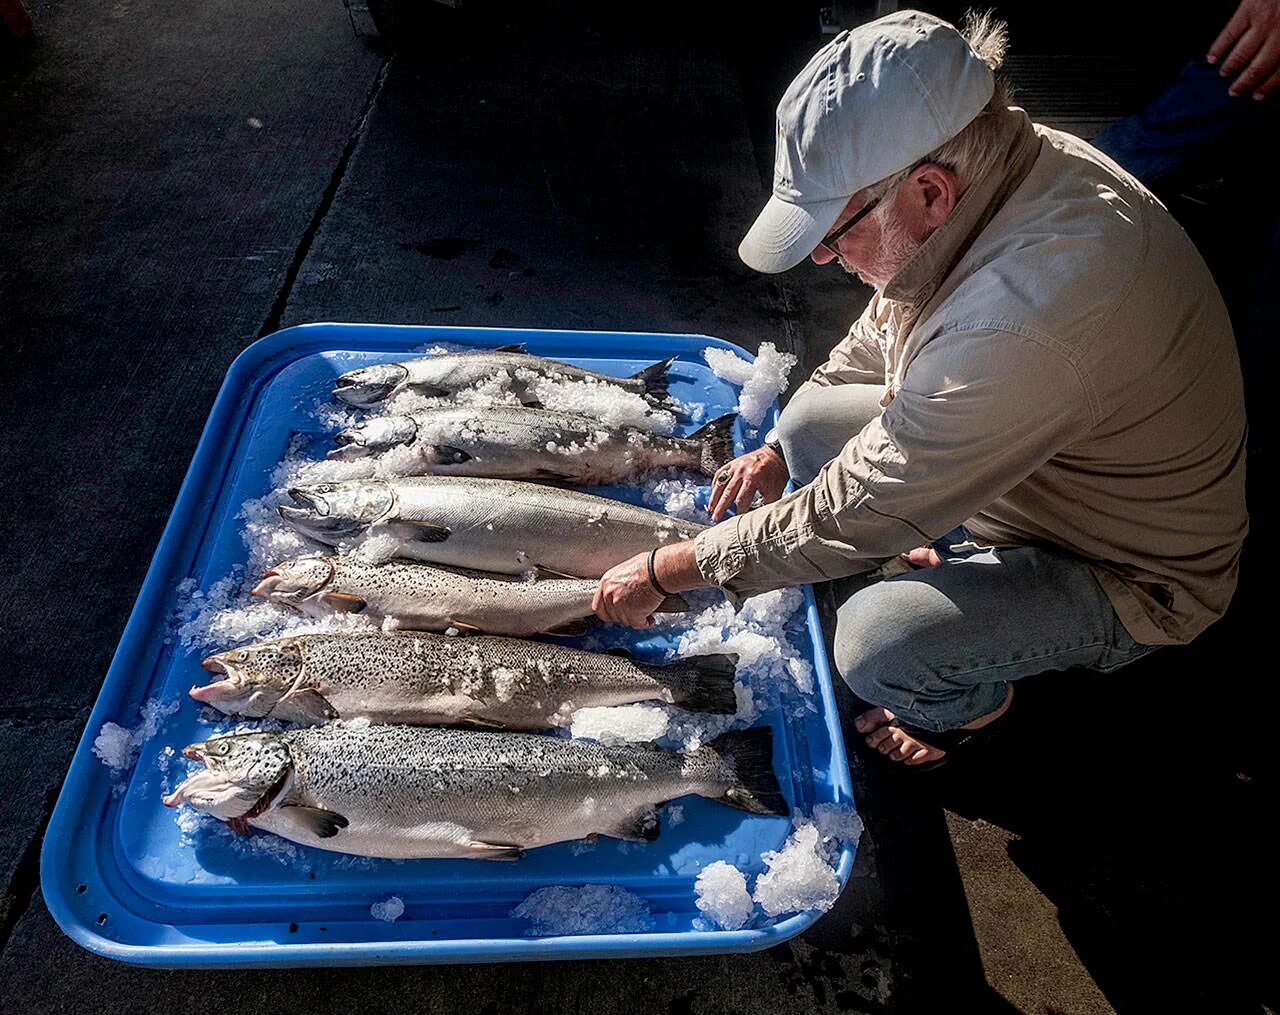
pixel 178 179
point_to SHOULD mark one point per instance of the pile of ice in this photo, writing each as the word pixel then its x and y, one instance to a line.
pixel 117 746
pixel 799 877
pixel 591 909
pixel 761 382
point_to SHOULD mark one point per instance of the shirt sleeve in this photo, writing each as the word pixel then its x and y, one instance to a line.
pixel 977 412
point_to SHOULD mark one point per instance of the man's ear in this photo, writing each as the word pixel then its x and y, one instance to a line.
pixel 936 192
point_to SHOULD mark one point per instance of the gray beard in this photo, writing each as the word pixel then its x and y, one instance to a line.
pixel 896 248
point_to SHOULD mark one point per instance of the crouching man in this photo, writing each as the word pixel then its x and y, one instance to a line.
pixel 1042 400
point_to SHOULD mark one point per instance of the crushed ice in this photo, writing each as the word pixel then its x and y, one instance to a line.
pixel 117 746
pixel 761 382
pixel 591 909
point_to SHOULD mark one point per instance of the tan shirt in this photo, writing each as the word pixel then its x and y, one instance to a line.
pixel 1059 370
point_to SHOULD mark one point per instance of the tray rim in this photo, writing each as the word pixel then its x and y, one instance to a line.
pixel 61 843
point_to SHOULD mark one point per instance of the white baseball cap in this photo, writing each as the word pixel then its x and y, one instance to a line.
pixel 872 101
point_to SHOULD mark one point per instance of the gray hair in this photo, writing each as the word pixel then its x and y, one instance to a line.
pixel 967 153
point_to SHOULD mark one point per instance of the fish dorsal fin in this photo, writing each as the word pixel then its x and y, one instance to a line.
pixel 512 347
pixel 316 820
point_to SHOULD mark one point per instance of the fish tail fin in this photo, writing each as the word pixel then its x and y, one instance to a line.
pixel 755 787
pixel 716 439
pixel 655 379
pixel 673 604
pixel 710 688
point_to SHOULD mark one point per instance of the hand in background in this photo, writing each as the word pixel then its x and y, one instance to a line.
pixel 1250 43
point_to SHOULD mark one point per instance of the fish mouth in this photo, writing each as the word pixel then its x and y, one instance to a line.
pixel 263 590
pixel 217 691
pixel 350 447
pixel 308 500
pixel 358 388
pixel 214 665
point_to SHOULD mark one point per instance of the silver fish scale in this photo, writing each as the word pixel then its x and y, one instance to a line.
pixel 403 777
pixel 418 595
pixel 519 683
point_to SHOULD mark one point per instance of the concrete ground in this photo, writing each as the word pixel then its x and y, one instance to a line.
pixel 177 180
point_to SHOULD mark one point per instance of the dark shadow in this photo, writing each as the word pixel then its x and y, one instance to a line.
pixel 1141 801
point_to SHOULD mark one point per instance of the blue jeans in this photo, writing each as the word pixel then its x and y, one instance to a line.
pixel 1194 128
pixel 939 646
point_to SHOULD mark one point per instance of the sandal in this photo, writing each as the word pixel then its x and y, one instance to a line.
pixel 957 743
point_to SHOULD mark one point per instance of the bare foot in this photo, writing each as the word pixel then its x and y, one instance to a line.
pixel 897 745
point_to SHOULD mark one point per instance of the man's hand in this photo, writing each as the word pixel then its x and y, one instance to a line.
pixel 624 595
pixel 922 556
pixel 761 471
pixel 1252 38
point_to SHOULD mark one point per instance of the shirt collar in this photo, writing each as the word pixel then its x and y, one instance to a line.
pixel 1014 152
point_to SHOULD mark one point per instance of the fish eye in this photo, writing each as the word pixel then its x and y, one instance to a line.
pixel 223 747
pixel 242 655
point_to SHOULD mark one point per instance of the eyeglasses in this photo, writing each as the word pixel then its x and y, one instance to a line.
pixel 828 242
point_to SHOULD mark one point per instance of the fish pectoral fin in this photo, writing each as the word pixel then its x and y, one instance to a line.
pixel 466 628
pixel 642 826
pixel 428 532
pixel 511 347
pixel 475 719
pixel 549 477
pixel 542 572
pixel 446 454
pixel 316 820
pixel 495 850
pixel 306 704
pixel 343 602
pixel 569 629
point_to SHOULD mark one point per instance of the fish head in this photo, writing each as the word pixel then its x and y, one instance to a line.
pixel 254 678
pixel 331 512
pixel 368 385
pixel 239 770
pixel 294 582
pixel 374 436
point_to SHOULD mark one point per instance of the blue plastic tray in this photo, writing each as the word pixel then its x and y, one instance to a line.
pixel 113 870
